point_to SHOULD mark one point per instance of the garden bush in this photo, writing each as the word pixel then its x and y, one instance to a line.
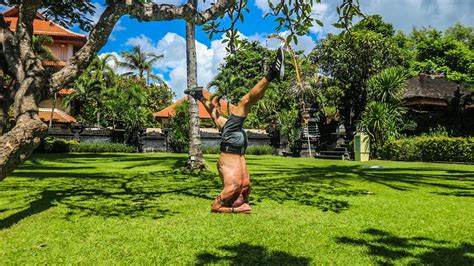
pixel 430 148
pixel 254 150
pixel 56 145
pixel 260 150
pixel 102 147
pixel 211 149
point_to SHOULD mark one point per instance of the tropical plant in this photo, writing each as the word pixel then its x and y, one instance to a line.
pixel 383 118
pixel 351 58
pixel 86 100
pixel 178 136
pixel 127 101
pixel 140 63
pixel 388 86
pixel 100 69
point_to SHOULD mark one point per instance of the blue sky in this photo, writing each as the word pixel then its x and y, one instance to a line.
pixel 167 37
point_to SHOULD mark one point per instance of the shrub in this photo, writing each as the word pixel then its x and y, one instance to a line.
pixel 102 147
pixel 260 150
pixel 56 145
pixel 211 149
pixel 430 148
pixel 179 129
pixel 254 150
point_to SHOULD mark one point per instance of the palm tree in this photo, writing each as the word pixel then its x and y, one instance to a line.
pixel 388 86
pixel 86 90
pixel 100 69
pixel 140 63
pixel 383 118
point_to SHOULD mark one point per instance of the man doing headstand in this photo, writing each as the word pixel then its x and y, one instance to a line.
pixel 232 166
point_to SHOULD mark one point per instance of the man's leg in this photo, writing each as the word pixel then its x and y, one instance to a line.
pixel 258 91
pixel 231 175
pixel 246 186
pixel 197 94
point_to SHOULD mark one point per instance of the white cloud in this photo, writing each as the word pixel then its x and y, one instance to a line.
pixel 403 14
pixel 173 47
pixel 263 5
pixel 113 63
pixel 305 43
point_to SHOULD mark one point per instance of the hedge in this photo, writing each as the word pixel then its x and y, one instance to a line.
pixel 253 150
pixel 57 145
pixel 429 149
pixel 103 147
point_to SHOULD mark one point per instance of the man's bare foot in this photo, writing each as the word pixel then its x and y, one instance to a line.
pixel 238 202
pixel 244 208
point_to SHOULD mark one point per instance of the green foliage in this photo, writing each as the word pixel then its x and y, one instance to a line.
pixel 288 122
pixel 102 147
pixel 388 86
pixel 452 54
pixel 140 63
pixel 350 59
pixel 375 24
pixel 39 47
pixel 253 150
pixel 211 150
pixel 102 97
pixel 178 134
pixel 127 102
pixel 296 16
pixel 259 150
pixel 430 148
pixel 461 33
pixel 56 145
pixel 383 118
pixel 383 121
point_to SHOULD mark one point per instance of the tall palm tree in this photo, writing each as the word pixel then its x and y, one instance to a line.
pixel 100 69
pixel 140 63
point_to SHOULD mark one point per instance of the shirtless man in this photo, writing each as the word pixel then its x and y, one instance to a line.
pixel 232 166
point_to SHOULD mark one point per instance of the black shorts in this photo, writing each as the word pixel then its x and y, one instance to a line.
pixel 234 138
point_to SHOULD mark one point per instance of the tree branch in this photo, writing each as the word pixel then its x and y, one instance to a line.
pixel 97 39
pixel 8 49
pixel 146 12
pixel 24 29
pixel 159 12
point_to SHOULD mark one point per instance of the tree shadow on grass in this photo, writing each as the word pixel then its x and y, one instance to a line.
pixel 126 193
pixel 389 249
pixel 247 254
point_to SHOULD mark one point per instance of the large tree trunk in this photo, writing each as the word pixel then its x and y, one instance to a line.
pixel 3 104
pixel 18 144
pixel 195 159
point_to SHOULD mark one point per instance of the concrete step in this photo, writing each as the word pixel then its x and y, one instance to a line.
pixel 332 157
pixel 334 152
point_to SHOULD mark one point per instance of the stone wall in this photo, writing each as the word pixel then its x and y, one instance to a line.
pixel 155 140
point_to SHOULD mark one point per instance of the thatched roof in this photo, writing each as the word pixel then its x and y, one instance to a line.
pixel 433 87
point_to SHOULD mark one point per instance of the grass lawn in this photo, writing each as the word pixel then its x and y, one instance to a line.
pixel 138 209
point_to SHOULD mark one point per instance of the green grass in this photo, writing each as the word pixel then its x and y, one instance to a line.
pixel 137 209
